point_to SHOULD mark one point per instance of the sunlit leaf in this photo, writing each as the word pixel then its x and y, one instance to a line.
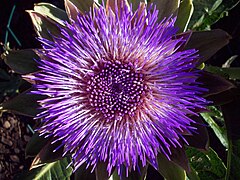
pixel 54 170
pixel 166 7
pixel 44 26
pixel 51 11
pixel 184 15
pixel 219 131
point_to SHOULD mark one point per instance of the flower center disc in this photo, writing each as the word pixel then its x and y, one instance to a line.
pixel 116 90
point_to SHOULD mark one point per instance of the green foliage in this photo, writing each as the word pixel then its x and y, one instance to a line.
pixel 185 12
pixel 232 73
pixel 208 12
pixel 54 170
pixel 169 169
pixel 52 12
pixel 206 165
pixel 220 132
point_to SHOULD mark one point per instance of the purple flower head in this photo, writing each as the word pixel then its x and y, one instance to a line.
pixel 120 89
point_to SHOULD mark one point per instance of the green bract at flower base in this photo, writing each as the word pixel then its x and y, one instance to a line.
pixel 170 73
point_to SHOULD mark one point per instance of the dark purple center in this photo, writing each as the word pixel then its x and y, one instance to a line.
pixel 116 90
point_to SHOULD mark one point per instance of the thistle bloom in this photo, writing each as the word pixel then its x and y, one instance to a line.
pixel 120 88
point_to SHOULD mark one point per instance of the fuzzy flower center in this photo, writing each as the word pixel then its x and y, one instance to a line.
pixel 116 90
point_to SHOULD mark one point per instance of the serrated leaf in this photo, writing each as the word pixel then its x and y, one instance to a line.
pixel 22 61
pixel 166 7
pixel 52 12
pixel 184 15
pixel 55 170
pixel 207 164
pixel 24 104
pixel 170 170
pixel 208 43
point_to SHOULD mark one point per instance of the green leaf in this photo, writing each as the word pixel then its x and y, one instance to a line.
pixel 169 169
pixel 206 164
pixel 184 15
pixel 54 170
pixel 208 43
pixel 52 12
pixel 24 104
pixel 166 7
pixel 22 61
pixel 232 73
pixel 44 26
pixel 208 12
pixel 220 132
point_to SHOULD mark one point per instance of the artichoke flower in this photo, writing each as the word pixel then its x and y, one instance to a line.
pixel 119 83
